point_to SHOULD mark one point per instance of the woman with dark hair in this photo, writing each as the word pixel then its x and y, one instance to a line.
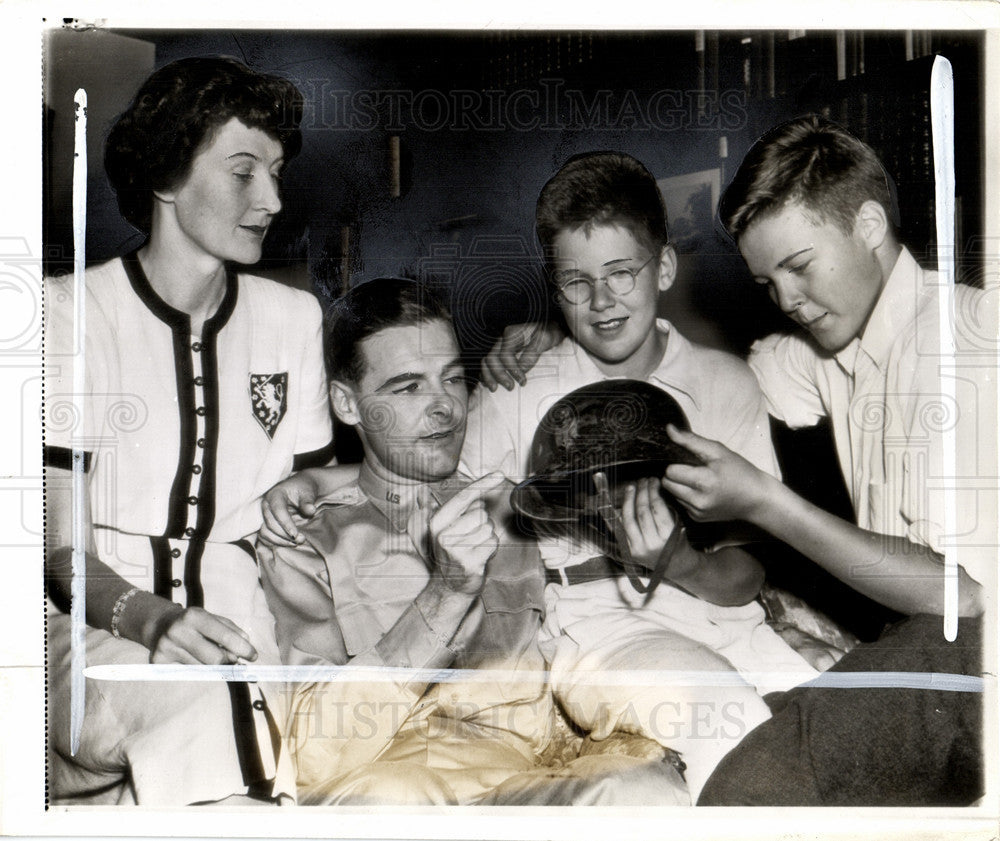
pixel 202 388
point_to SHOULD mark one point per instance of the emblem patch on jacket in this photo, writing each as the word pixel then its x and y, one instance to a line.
pixel 269 399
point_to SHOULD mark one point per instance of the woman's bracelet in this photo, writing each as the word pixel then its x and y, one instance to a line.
pixel 119 609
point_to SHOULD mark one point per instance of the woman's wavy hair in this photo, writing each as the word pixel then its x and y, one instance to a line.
pixel 177 111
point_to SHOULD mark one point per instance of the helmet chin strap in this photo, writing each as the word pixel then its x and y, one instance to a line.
pixel 613 521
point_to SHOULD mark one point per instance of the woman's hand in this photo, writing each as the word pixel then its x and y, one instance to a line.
pixel 516 353
pixel 174 634
pixel 725 487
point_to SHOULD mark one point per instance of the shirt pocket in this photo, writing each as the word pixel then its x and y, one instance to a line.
pixel 360 627
pixel 507 636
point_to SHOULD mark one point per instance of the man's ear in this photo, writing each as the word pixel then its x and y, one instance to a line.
pixel 667 267
pixel 344 403
pixel 165 196
pixel 872 224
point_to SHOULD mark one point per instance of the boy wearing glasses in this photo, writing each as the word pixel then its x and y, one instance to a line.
pixel 602 225
pixel 414 567
pixel 812 213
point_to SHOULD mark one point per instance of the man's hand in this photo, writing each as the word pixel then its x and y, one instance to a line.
pixel 516 353
pixel 462 536
pixel 725 487
pixel 647 520
pixel 194 636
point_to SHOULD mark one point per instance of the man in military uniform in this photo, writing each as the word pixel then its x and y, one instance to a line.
pixel 414 567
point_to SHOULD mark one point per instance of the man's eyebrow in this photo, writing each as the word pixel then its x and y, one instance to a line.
pixel 790 257
pixel 405 377
pixel 409 376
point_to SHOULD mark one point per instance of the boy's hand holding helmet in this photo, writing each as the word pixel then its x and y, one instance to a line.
pixel 596 462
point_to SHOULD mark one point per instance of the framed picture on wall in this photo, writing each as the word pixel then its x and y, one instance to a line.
pixel 691 200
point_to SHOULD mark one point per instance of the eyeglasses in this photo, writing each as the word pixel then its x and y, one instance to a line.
pixel 579 289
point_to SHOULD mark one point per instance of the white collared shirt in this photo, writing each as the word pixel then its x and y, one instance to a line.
pixel 716 390
pixel 888 409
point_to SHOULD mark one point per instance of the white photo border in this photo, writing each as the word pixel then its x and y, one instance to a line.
pixel 22 698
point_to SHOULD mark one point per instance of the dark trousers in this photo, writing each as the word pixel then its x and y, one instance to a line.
pixel 868 746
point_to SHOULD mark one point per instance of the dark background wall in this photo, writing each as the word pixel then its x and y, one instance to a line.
pixel 482 120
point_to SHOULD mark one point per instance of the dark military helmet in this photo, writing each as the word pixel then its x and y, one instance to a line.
pixel 614 427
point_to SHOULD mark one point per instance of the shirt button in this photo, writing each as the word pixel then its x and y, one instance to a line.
pixel 258 705
pixel 199 380
pixel 175 553
pixel 196 469
pixel 192 500
pixel 175 583
pixel 189 531
pixel 201 442
pixel 196 347
pixel 200 411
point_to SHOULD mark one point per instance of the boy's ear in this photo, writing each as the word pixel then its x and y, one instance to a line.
pixel 344 403
pixel 872 223
pixel 667 267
